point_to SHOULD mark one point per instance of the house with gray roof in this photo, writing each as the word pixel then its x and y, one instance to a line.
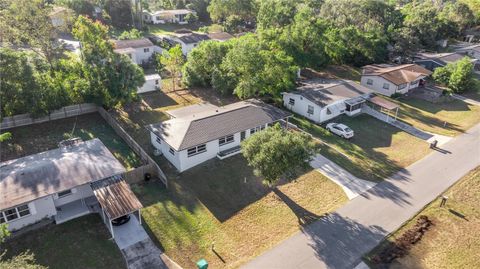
pixel 201 132
pixel 431 61
pixel 64 183
pixel 139 50
pixel 323 99
pixel 188 41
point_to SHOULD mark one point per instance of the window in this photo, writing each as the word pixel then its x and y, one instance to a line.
pixel 414 82
pixel 156 82
pixel 386 86
pixel 159 141
pixel 146 50
pixel 310 110
pixel 225 140
pixel 2 219
pixel 64 193
pixel 329 112
pixel 196 150
pixel 369 81
pixel 402 86
pixel 291 101
pixel 159 18
pixel 256 129
pixel 172 151
pixel 11 214
pixel 23 210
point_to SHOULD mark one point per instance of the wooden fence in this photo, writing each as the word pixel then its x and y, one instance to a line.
pixel 65 112
pixel 153 168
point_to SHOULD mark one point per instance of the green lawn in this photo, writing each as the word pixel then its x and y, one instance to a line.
pixel 223 203
pixel 451 118
pixel 377 150
pixel 474 92
pixel 81 243
pixel 31 139
pixel 452 242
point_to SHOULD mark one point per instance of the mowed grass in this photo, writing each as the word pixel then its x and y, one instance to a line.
pixel 81 243
pixel 453 241
pixel 222 203
pixel 377 150
pixel 450 119
pixel 36 138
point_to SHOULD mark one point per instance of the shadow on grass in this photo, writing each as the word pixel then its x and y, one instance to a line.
pixel 212 96
pixel 157 99
pixel 304 216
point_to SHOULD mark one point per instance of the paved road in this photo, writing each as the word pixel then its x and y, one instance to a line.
pixel 340 239
pixel 350 184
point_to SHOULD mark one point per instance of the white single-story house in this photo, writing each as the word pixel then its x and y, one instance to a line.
pixel 167 16
pixel 187 41
pixel 389 79
pixel 63 184
pixel 202 132
pixel 220 36
pixel 433 60
pixel 321 100
pixel 153 82
pixel 139 50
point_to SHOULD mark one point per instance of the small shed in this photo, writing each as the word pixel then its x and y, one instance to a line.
pixel 152 83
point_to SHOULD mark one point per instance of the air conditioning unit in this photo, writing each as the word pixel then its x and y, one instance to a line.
pixel 157 152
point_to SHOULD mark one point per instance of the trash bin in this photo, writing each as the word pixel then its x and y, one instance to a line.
pixel 202 264
pixel 147 176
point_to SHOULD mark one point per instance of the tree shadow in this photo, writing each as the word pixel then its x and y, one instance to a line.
pixel 389 190
pixel 304 216
pixel 212 96
pixel 157 99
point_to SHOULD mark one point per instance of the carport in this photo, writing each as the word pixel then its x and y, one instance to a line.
pixel 386 107
pixel 116 200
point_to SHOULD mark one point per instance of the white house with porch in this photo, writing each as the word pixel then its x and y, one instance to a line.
pixel 321 99
pixel 178 16
pixel 201 132
pixel 389 79
pixel 64 183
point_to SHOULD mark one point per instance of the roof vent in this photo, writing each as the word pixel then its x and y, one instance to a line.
pixel 70 142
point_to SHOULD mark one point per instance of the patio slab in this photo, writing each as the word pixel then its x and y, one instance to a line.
pixel 351 185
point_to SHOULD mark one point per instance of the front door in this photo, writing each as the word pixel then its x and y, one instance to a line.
pixel 242 135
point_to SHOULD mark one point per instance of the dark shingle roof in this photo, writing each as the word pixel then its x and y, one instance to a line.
pixel 134 43
pixel 195 129
pixel 323 92
pixel 28 178
pixel 193 38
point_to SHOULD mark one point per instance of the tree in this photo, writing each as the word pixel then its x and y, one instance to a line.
pixel 173 61
pixel 26 23
pixel 121 13
pixel 202 62
pixel 101 76
pixel 458 76
pixel 252 69
pixel 24 260
pixel 276 13
pixel 132 34
pixel 233 12
pixel 275 152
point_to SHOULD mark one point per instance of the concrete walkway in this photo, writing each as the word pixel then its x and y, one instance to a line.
pixel 466 100
pixel 340 239
pixel 351 185
pixel 428 137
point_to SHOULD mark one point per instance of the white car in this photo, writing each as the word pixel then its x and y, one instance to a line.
pixel 340 130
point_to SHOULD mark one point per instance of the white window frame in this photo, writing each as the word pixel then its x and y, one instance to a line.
pixel 310 109
pixel 171 150
pixel 16 212
pixel 226 140
pixel 291 101
pixel 402 86
pixel 196 150
pixel 145 50
pixel 414 82
pixel 369 81
pixel 386 86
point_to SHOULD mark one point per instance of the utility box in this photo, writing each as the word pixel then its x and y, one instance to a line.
pixel 202 264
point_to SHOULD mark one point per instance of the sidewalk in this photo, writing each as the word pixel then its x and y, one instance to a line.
pixel 466 100
pixel 340 239
pixel 351 185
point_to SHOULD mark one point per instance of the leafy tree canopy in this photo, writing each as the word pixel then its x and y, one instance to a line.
pixel 275 153
pixel 457 76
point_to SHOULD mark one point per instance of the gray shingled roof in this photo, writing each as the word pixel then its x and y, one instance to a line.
pixel 195 129
pixel 193 38
pixel 28 178
pixel 134 43
pixel 325 92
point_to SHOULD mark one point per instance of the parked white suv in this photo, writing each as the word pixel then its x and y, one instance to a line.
pixel 340 130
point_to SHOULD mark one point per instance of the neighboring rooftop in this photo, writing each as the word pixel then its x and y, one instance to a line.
pixel 449 57
pixel 324 92
pixel 133 43
pixel 28 178
pixel 220 36
pixel 204 125
pixel 192 38
pixel 173 11
pixel 152 77
pixel 397 74
pixel 475 47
